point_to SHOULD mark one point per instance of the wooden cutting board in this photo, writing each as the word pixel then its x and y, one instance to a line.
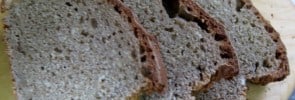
pixel 281 14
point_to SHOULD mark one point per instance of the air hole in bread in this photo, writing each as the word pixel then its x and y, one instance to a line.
pixel 171 7
pixel 141 49
pixel 257 64
pixel 268 28
pixel 267 63
pixel 173 37
pixel 189 9
pixel 109 37
pixel 93 22
pixel 129 19
pixel 58 50
pixel 149 50
pixel 70 76
pixel 168 51
pixel 175 95
pixel 176 85
pixel 120 31
pixel 153 57
pixel 202 40
pixel 67 58
pixel 102 80
pixel 171 29
pixel 76 9
pixel 248 6
pixel 91 36
pixel 53 74
pixel 42 68
pixel 252 25
pixel 81 42
pixel 202 24
pixel 226 51
pixel 153 19
pixel 84 33
pixel 240 4
pixel 188 45
pixel 114 33
pixel 117 9
pixel 146 71
pixel 81 20
pixel 103 40
pixel 201 76
pixel 278 54
pixel 201 68
pixel 128 43
pixel 219 37
pixel 136 77
pixel 69 15
pixel 225 55
pixel 68 4
pixel 202 47
pixel 215 63
pixel 20 50
pixel 119 45
pixel 182 52
pixel 143 58
pixel 58 28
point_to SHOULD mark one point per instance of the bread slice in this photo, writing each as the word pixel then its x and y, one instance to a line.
pixel 261 53
pixel 78 49
pixel 195 47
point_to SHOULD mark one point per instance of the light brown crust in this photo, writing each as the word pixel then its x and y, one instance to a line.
pixel 217 30
pixel 281 54
pixel 151 59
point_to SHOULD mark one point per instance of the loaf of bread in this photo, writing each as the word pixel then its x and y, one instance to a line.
pixel 65 49
pixel 140 49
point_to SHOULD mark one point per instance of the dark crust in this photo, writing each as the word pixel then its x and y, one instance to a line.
pixel 217 30
pixel 281 54
pixel 151 59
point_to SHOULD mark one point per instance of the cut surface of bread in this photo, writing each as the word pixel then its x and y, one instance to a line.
pixel 78 49
pixel 226 89
pixel 261 53
pixel 194 46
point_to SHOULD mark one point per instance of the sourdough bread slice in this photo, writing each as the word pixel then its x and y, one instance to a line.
pixel 78 49
pixel 261 53
pixel 194 47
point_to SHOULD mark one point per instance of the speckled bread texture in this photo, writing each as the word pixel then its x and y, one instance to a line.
pixel 195 55
pixel 233 89
pixel 75 49
pixel 261 53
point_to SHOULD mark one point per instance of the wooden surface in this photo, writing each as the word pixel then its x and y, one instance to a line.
pixel 5 74
pixel 281 14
